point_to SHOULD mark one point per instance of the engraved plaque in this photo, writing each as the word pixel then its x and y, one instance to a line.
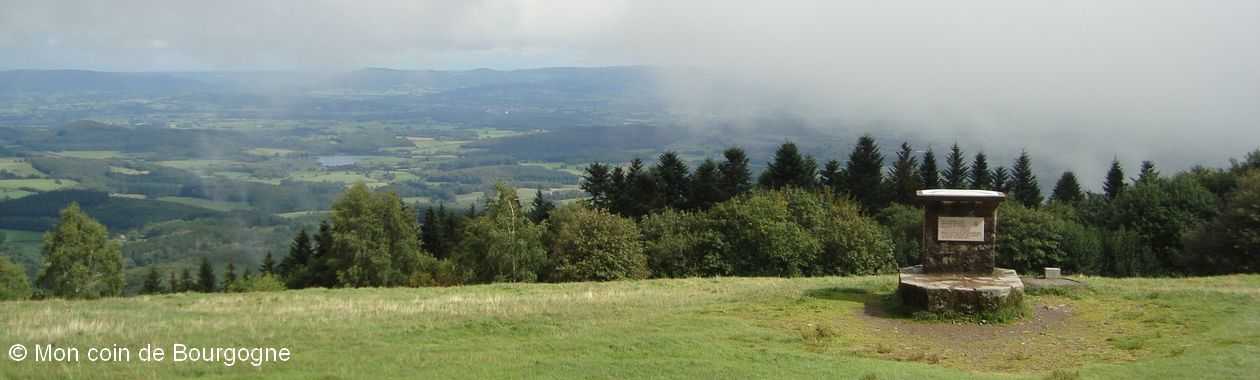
pixel 951 228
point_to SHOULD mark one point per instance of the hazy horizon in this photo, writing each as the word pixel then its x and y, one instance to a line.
pixel 1075 83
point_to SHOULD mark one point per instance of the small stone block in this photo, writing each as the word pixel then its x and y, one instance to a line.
pixel 1052 273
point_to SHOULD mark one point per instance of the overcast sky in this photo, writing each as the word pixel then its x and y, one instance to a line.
pixel 1178 80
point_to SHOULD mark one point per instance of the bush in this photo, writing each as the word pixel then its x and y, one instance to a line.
pixel 13 282
pixel 435 272
pixel 261 283
pixel 763 237
pixel 904 225
pixel 794 232
pixel 502 244
pixel 851 243
pixel 594 245
pixel 1231 242
pixel 1160 211
pixel 1031 239
pixel 683 244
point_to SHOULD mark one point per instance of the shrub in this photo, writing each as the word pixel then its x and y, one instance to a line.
pixel 435 272
pixel 1160 211
pixel 904 226
pixel 763 237
pixel 1031 239
pixel 13 281
pixel 594 245
pixel 683 244
pixel 1231 242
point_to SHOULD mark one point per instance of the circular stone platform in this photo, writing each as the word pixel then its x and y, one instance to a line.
pixel 963 293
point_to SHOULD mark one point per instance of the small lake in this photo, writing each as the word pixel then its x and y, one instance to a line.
pixel 335 161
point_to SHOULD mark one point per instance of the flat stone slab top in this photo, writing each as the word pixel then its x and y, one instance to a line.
pixel 960 292
pixel 946 194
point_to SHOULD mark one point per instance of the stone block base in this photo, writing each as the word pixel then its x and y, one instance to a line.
pixel 962 293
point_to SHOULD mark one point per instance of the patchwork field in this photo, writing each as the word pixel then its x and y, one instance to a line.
pixel 724 327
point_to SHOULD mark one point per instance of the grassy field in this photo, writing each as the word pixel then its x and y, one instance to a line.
pixel 38 184
pixel 19 167
pixel 706 328
pixel 206 203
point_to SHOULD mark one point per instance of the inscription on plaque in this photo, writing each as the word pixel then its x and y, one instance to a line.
pixel 953 228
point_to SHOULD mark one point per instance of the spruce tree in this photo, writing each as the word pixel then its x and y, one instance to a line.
pixel 981 177
pixel 673 181
pixel 864 173
pixel 207 283
pixel 734 176
pixel 597 182
pixel 174 285
pixel 789 169
pixel 1147 173
pixel 929 174
pixel 832 177
pixel 956 170
pixel 268 265
pixel 294 266
pixel 1001 179
pixel 229 276
pixel 1067 190
pixel 79 259
pixel 706 188
pixel 186 282
pixel 1114 184
pixel 642 193
pixel 540 208
pixel 433 233
pixel 152 282
pixel 903 177
pixel 321 264
pixel 1024 183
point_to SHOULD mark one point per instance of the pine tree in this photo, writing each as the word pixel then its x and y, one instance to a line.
pixel 229 276
pixel 432 233
pixel 956 170
pixel 981 177
pixel 903 177
pixel 832 177
pixel 642 192
pixel 1024 183
pixel 734 176
pixel 673 181
pixel 268 265
pixel 1147 173
pixel 1114 184
pixel 322 267
pixel 152 282
pixel 1067 190
pixel 597 182
pixel 706 189
pixel 186 282
pixel 540 208
pixel 1001 179
pixel 207 283
pixel 929 174
pixel 294 266
pixel 174 285
pixel 79 259
pixel 790 169
pixel 864 173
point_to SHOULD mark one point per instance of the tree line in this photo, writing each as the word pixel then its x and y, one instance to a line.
pixel 667 220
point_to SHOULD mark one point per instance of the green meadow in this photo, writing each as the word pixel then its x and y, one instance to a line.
pixel 825 327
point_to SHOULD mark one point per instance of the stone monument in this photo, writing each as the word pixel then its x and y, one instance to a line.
pixel 959 245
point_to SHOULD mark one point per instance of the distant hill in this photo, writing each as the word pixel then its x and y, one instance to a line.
pixel 62 81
